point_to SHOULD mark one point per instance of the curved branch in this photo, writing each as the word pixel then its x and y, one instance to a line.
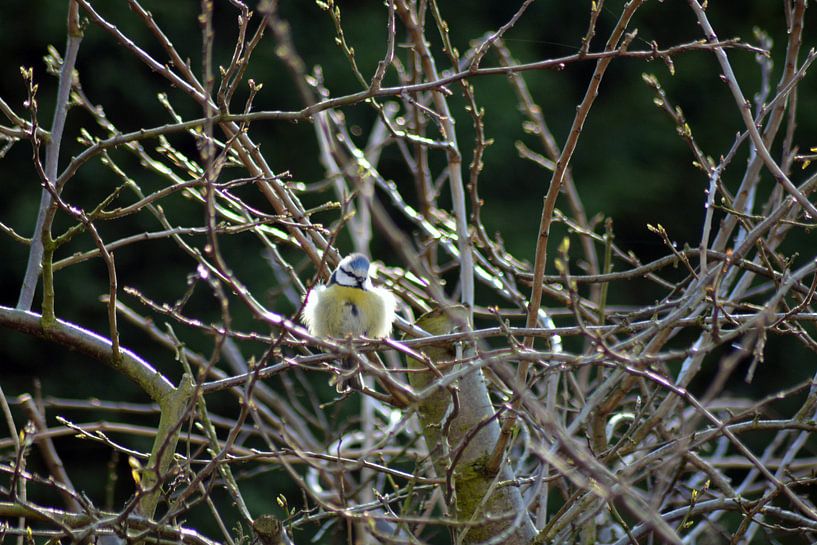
pixel 91 344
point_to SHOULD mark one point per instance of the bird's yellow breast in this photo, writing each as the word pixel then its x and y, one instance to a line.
pixel 340 311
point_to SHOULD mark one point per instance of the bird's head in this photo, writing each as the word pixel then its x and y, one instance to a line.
pixel 352 272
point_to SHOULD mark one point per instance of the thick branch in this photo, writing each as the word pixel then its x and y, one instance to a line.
pixel 90 344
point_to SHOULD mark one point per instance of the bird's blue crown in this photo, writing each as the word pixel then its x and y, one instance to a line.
pixel 357 262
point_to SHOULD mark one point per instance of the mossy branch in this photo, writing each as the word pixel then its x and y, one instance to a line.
pixel 460 429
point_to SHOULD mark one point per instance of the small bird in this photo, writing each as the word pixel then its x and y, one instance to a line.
pixel 349 305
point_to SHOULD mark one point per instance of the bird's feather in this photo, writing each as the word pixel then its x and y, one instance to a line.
pixel 338 311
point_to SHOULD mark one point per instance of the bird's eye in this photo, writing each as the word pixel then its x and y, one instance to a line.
pixel 358 279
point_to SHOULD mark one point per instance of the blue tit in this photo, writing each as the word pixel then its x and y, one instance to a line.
pixel 349 305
